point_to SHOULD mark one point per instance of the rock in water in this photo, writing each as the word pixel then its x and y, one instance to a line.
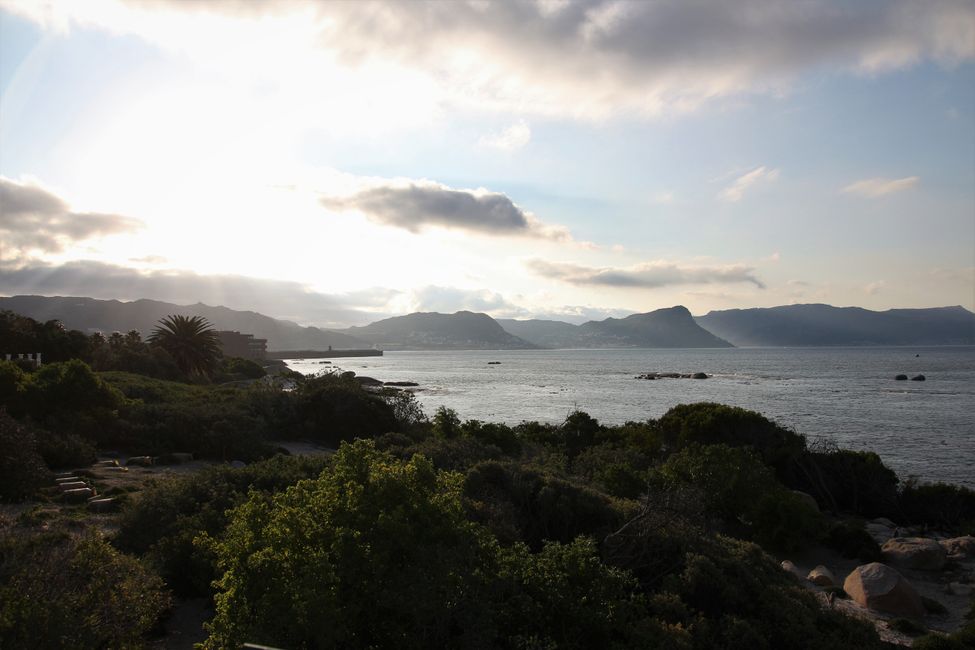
pixel 901 377
pixel 917 378
pixel 879 587
pixel 821 576
pixel 914 553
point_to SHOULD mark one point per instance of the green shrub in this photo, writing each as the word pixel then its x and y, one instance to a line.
pixel 842 480
pixel 564 596
pixel 162 523
pixel 457 454
pixel 852 541
pixel 498 435
pixel 22 470
pixel 63 591
pixel 530 506
pixel 707 423
pixel 941 505
pixel 331 410
pixel 741 491
pixel 374 539
pixel 619 471
pixel 65 451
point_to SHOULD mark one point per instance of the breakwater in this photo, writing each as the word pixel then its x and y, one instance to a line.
pixel 322 354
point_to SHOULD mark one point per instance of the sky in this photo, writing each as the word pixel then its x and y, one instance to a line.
pixel 335 163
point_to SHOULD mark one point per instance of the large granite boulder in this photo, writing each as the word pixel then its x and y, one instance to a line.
pixel 879 587
pixel 914 553
pixel 959 547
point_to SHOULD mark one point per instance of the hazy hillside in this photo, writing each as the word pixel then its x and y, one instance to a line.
pixel 544 333
pixel 88 315
pixel 815 325
pixel 463 330
pixel 673 327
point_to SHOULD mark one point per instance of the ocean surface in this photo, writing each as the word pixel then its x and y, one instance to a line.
pixel 845 395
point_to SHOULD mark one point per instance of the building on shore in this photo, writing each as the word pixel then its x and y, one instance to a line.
pixel 245 346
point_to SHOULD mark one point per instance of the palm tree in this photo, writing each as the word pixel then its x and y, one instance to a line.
pixel 190 340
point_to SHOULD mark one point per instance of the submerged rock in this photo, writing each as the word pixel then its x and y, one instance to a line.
pixel 914 553
pixel 917 378
pixel 901 377
pixel 878 586
pixel 401 383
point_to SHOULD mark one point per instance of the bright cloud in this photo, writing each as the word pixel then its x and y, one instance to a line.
pixel 648 275
pixel 736 191
pixel 512 138
pixel 873 188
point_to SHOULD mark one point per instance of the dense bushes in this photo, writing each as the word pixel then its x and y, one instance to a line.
pixel 842 480
pixel 331 409
pixel 524 505
pixel 63 591
pixel 948 507
pixel 372 540
pixel 737 488
pixel 163 522
pixel 22 470
pixel 708 423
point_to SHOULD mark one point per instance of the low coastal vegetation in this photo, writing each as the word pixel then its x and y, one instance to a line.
pixel 420 531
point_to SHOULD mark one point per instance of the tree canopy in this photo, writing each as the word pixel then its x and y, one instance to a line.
pixel 190 340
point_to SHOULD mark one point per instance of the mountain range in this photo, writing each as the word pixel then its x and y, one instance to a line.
pixel 824 325
pixel 91 315
pixel 673 327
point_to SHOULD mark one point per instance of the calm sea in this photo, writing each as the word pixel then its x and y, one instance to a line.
pixel 847 395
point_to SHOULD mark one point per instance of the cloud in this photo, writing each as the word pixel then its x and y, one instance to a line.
pixel 276 298
pixel 591 58
pixel 415 206
pixel 873 188
pixel 649 275
pixel 873 288
pixel 33 219
pixel 736 191
pixel 451 299
pixel 513 137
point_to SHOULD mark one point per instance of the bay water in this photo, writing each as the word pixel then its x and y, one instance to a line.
pixel 846 395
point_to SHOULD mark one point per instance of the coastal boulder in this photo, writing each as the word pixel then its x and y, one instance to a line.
pixel 368 381
pixel 821 576
pixel 901 377
pixel 914 553
pixel 79 495
pixel 881 529
pixel 791 568
pixel 959 547
pixel 917 378
pixel 699 375
pixel 103 505
pixel 879 587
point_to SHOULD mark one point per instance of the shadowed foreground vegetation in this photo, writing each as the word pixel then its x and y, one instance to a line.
pixel 430 532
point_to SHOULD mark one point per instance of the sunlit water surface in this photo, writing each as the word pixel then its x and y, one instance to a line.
pixel 847 395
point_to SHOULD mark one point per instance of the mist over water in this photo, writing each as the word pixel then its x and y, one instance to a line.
pixel 847 395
